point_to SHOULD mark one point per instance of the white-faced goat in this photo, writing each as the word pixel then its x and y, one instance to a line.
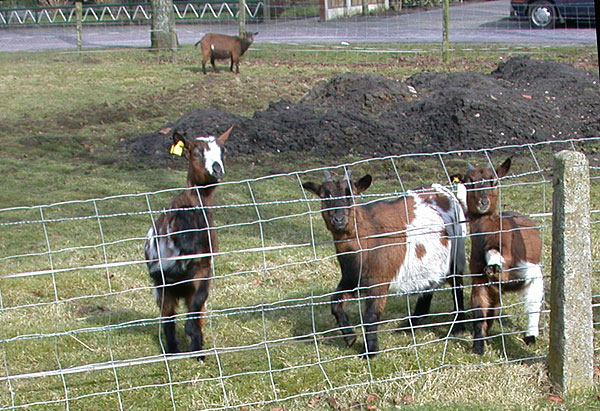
pixel 221 47
pixel 180 244
pixel 412 244
pixel 506 251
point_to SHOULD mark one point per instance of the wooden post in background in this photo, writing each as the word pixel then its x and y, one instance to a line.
pixel 242 18
pixel 79 23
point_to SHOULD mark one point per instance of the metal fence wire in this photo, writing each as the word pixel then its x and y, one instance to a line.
pixel 79 327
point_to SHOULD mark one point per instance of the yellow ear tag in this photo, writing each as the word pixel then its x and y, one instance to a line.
pixel 455 180
pixel 177 149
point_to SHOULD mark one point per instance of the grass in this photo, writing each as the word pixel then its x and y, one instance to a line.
pixel 65 117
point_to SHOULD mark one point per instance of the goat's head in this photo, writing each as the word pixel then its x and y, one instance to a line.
pixel 337 206
pixel 205 156
pixel 482 187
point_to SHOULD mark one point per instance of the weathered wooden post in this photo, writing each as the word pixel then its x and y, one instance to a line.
pixel 79 23
pixel 445 31
pixel 571 326
pixel 242 18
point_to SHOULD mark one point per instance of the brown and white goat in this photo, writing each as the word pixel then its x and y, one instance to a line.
pixel 180 244
pixel 411 244
pixel 221 47
pixel 506 251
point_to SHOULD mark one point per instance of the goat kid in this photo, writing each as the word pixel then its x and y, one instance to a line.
pixel 221 47
pixel 411 244
pixel 182 233
pixel 506 251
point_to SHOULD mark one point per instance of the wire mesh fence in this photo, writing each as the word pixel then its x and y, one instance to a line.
pixel 80 327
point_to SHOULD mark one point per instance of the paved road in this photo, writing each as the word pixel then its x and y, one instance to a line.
pixel 472 23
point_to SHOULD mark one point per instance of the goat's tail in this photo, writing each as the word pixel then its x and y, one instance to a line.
pixel 198 42
pixel 456 227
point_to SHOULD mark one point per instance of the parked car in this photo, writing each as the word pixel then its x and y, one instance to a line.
pixel 546 13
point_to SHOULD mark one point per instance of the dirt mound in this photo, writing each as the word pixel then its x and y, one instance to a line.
pixel 366 93
pixel 522 101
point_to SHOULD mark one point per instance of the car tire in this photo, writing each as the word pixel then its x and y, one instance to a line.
pixel 542 15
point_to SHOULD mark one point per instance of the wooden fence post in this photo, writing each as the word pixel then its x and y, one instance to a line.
pixel 79 23
pixel 571 356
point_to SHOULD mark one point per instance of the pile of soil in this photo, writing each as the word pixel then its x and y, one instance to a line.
pixel 522 101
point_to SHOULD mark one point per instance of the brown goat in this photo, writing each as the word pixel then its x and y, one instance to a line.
pixel 185 230
pixel 506 251
pixel 412 244
pixel 221 46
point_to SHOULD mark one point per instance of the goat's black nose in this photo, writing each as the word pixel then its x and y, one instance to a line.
pixel 218 170
pixel 338 220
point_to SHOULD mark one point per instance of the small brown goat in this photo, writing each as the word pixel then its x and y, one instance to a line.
pixel 506 251
pixel 221 46
pixel 185 230
pixel 413 244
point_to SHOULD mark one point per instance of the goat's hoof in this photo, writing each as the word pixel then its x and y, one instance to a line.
pixel 172 349
pixel 350 340
pixel 370 353
pixel 529 339
pixel 457 329
pixel 478 348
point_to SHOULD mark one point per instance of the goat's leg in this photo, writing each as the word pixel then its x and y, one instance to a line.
pixel 375 307
pixel 231 64
pixel 458 327
pixel 480 304
pixel 338 300
pixel 533 295
pixel 193 325
pixel 167 304
pixel 212 62
pixel 421 309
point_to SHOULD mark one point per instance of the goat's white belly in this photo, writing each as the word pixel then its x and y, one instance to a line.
pixel 419 274
pixel 166 249
pixel 427 259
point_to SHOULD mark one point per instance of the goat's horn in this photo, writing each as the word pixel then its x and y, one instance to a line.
pixel 470 166
pixel 328 176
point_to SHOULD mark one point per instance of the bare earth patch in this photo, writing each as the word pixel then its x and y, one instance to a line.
pixel 522 101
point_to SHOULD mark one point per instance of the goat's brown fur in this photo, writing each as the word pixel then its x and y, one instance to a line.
pixel 221 47
pixel 185 229
pixel 372 259
pixel 505 253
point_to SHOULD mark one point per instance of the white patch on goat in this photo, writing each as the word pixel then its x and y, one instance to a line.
pixel 212 154
pixel 461 195
pixel 428 272
pixel 493 257
pixel 532 293
pixel 166 249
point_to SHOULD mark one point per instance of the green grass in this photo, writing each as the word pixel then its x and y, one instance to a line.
pixel 63 119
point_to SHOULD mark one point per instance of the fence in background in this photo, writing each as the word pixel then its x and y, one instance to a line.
pixel 79 327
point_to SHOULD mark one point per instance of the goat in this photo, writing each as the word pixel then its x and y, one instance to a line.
pixel 185 230
pixel 221 47
pixel 506 251
pixel 411 244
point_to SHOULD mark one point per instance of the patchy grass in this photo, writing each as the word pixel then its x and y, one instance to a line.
pixel 63 116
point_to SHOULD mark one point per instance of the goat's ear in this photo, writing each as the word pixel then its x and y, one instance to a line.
pixel 223 137
pixel 312 187
pixel 178 146
pixel 364 183
pixel 504 167
pixel 456 178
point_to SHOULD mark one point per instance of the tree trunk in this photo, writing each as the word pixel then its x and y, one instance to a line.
pixel 163 35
